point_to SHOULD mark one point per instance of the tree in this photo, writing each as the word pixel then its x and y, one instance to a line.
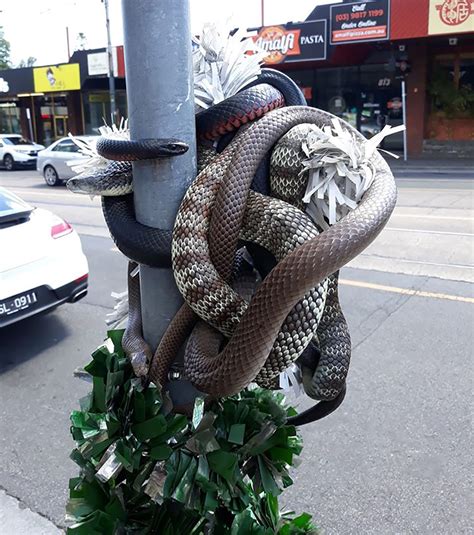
pixel 4 51
pixel 27 62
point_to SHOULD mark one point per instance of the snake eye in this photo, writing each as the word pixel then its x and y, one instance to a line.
pixel 178 147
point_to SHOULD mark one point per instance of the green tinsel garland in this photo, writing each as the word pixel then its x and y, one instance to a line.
pixel 147 470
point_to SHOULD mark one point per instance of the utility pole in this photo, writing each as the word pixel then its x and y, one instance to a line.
pixel 110 62
pixel 67 41
pixel 404 107
pixel 160 93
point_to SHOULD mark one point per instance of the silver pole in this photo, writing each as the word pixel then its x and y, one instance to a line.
pixel 30 125
pixel 160 92
pixel 404 106
pixel 111 63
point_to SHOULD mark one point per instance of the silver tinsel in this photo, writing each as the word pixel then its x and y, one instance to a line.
pixel 223 64
pixel 341 169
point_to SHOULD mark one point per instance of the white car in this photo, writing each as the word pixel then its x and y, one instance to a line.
pixel 16 151
pixel 53 162
pixel 41 265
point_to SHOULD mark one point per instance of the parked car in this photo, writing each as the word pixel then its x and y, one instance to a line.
pixel 53 161
pixel 16 151
pixel 42 264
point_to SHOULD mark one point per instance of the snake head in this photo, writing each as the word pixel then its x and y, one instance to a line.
pixel 171 147
pixel 82 183
pixel 114 179
pixel 139 362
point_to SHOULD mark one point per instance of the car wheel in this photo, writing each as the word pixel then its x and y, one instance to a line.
pixel 8 162
pixel 51 176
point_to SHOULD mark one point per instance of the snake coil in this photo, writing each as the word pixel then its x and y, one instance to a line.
pixel 237 336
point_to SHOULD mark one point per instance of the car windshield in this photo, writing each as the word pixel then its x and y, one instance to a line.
pixel 17 140
pixel 11 204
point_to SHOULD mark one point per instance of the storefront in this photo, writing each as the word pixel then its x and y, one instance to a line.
pixel 355 68
pixel 13 116
pixel 46 103
pixel 349 58
pixel 95 94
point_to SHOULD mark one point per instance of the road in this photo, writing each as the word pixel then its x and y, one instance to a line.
pixel 395 458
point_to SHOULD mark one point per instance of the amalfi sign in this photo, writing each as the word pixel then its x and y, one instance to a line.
pixel 289 43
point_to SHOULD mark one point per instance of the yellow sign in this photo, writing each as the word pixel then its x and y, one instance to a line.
pixel 451 16
pixel 57 78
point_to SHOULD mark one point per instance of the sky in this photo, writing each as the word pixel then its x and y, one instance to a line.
pixel 38 27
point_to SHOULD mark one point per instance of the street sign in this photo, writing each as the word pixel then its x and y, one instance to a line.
pixel 360 22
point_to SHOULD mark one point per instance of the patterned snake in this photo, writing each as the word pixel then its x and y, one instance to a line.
pixel 294 312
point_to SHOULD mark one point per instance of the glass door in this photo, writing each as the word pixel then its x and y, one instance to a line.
pixel 60 126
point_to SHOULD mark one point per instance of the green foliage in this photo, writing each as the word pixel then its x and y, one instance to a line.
pixel 446 97
pixel 29 62
pixel 4 51
pixel 145 469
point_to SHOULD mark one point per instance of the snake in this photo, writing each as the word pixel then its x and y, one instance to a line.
pixel 295 311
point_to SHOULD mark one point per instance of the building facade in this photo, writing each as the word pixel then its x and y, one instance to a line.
pixel 349 58
pixel 45 103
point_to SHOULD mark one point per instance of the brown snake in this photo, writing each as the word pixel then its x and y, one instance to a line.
pixel 227 371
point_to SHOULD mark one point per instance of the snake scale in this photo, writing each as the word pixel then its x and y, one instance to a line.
pixel 294 312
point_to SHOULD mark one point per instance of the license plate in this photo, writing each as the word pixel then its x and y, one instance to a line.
pixel 15 304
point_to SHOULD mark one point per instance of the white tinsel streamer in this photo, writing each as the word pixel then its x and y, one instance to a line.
pixel 341 169
pixel 291 382
pixel 223 64
pixel 118 317
pixel 88 147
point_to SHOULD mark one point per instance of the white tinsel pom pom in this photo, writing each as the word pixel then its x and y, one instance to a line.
pixel 87 147
pixel 223 64
pixel 341 170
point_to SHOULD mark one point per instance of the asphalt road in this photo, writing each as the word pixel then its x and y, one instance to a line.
pixel 394 459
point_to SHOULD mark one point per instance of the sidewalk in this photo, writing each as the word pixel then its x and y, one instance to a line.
pixel 432 165
pixel 15 519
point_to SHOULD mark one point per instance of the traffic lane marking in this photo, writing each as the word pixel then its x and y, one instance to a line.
pixel 47 194
pixel 450 217
pixel 405 291
pixel 394 258
pixel 423 231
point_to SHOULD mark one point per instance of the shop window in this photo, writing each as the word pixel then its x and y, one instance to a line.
pixel 9 118
pixel 451 85
pixel 52 117
pixel 336 91
pixel 96 108
pixel 305 81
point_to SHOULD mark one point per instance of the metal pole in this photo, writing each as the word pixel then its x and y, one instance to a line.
pixel 111 63
pixel 30 125
pixel 67 41
pixel 404 105
pixel 263 12
pixel 160 93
